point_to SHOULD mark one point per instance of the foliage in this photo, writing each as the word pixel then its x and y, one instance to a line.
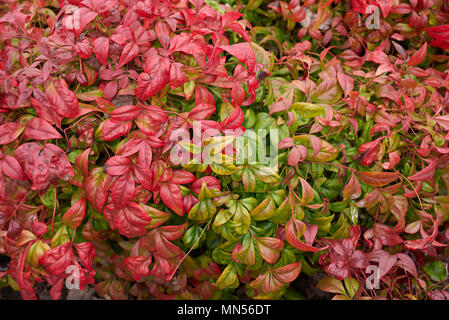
pixel 100 100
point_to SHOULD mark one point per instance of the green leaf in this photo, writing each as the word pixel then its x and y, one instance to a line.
pixel 60 237
pixel 436 270
pixel 331 285
pixel 228 278
pixel 202 211
pixel 206 193
pixel 265 210
pixel 192 235
pixel 241 218
pixel 248 180
pixel 247 253
pixel 283 212
pixel 308 110
pixel 223 169
pixel 221 257
pixel 352 286
pixel 352 213
pixel 48 198
pixel 222 217
pixel 158 217
pixel 265 174
pixel 327 152
pixel 225 110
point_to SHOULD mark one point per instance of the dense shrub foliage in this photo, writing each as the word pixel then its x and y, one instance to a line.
pixel 122 127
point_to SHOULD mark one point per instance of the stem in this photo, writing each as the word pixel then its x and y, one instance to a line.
pixel 74 232
pixel 54 212
pixel 185 256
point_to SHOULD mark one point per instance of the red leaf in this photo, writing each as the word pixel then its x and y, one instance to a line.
pixel 287 273
pixel 406 263
pixel 244 254
pixel 203 95
pixel 269 248
pixel 293 230
pixel 426 174
pixel 10 131
pixel 40 129
pixel 44 111
pixel 177 76
pixel 443 44
pixel 62 100
pixel 344 258
pixel 182 177
pixel 96 186
pixel 130 51
pixel 155 77
pixel 56 260
pixel 57 161
pixel 234 120
pixel 386 262
pixel 12 168
pixel 82 162
pixel 345 81
pixel 151 119
pixel 352 189
pixel 75 215
pixel 359 6
pixel 117 165
pixel 201 111
pixel 368 151
pixel 394 160
pixel 266 283
pixel 158 240
pixel 123 190
pixel 78 20
pixel 138 266
pixel 125 113
pixel 130 221
pixel 86 253
pixel 229 17
pixel 113 129
pixel 163 33
pixel 43 165
pixel 26 289
pixel 211 183
pixel 83 48
pixel 237 94
pixel 173 232
pixel 171 196
pixel 281 105
pixel 286 143
pixel 439 32
pixel 101 49
pixel 39 228
pixel 377 179
pixel 243 52
pixel 316 145
pixel 307 192
pixel 384 235
pixel 443 121
pixel 419 56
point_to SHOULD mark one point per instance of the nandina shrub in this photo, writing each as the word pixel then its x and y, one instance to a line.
pixel 126 136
